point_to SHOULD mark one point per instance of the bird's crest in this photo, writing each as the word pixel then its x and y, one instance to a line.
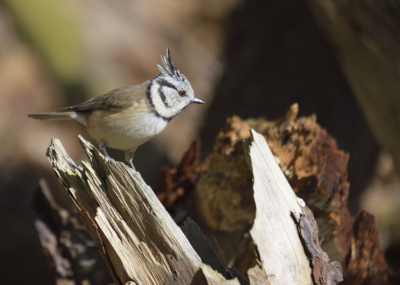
pixel 169 68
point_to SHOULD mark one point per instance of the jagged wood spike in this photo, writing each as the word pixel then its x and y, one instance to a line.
pixel 137 238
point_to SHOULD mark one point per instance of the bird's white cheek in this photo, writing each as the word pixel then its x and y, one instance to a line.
pixel 171 96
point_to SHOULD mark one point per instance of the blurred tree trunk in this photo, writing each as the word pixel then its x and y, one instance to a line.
pixel 365 36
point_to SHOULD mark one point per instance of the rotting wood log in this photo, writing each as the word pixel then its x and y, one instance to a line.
pixel 316 170
pixel 364 259
pixel 141 244
pixel 308 157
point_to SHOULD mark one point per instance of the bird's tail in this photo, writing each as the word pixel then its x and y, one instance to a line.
pixel 54 116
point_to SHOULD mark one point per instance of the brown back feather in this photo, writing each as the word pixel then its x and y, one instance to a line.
pixel 117 99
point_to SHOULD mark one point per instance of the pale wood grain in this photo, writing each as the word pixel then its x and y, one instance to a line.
pixel 134 233
pixel 274 232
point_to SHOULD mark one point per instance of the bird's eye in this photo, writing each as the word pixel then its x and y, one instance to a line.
pixel 182 93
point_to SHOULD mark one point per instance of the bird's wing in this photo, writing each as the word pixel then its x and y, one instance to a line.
pixel 117 99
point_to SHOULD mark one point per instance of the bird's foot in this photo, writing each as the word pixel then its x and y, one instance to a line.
pixel 105 152
pixel 102 146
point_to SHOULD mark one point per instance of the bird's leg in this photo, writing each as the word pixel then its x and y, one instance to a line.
pixel 129 157
pixel 103 148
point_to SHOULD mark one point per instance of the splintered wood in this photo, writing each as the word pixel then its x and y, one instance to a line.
pixel 141 244
pixel 278 209
pixel 136 237
pixel 280 249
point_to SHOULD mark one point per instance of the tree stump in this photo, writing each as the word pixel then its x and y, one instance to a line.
pixel 141 244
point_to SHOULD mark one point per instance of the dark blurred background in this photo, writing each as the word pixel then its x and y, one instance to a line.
pixel 249 58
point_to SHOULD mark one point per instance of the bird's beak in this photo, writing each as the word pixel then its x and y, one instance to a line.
pixel 197 101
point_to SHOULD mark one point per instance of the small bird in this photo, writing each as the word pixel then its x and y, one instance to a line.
pixel 127 117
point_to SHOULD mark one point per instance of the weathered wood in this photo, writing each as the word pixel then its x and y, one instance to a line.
pixel 141 244
pixel 365 263
pixel 316 170
pixel 224 192
pixel 274 232
pixel 323 271
pixel 279 246
pixel 136 237
pixel 311 162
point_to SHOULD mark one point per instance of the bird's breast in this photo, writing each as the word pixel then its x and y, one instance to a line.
pixel 124 129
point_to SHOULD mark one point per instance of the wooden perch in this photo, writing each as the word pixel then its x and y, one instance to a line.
pixel 141 244
pixel 136 237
